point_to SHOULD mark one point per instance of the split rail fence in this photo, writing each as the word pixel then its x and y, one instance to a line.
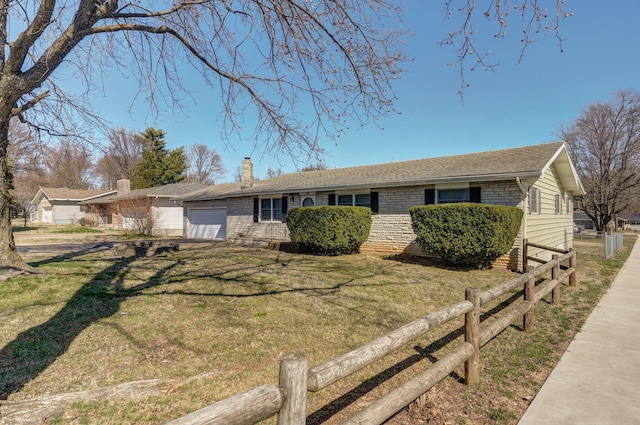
pixel 287 400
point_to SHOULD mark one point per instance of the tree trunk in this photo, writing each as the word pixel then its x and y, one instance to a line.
pixel 9 257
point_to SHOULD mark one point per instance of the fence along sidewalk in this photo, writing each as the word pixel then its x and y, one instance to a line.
pixel 288 399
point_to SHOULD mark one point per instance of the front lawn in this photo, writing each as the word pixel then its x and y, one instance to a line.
pixel 231 312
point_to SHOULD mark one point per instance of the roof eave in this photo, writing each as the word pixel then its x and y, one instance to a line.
pixel 575 184
pixel 456 179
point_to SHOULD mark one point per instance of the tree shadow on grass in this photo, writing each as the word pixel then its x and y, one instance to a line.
pixel 427 261
pixel 427 352
pixel 35 349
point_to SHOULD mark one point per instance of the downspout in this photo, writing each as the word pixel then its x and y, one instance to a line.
pixel 525 196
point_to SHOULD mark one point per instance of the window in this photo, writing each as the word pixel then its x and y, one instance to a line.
pixel 448 196
pixel 355 200
pixel 308 201
pixel 558 204
pixel 534 200
pixel 453 196
pixel 271 209
pixel 369 200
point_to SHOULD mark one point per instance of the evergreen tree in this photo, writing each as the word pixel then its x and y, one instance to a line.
pixel 159 166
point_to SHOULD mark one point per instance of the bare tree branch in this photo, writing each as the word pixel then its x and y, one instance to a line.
pixel 536 22
pixel 605 143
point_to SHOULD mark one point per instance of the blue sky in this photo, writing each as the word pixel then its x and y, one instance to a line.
pixel 519 104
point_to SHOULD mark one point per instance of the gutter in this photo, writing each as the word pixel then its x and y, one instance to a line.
pixel 255 191
pixel 525 201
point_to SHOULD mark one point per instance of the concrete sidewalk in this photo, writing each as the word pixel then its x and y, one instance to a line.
pixel 597 381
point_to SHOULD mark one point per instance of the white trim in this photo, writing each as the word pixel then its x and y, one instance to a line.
pixel 272 219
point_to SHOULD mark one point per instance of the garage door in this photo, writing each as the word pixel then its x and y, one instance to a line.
pixel 207 223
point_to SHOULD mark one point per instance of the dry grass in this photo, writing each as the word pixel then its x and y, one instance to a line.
pixel 515 364
pixel 93 320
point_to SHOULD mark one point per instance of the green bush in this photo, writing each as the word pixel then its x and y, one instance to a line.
pixel 466 234
pixel 329 230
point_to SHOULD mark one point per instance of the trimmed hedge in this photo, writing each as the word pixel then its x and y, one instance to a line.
pixel 329 230
pixel 466 234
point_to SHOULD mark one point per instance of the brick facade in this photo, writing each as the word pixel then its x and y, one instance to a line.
pixel 391 230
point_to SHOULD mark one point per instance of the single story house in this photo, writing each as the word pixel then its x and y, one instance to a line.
pixel 149 211
pixel 582 219
pixel 623 221
pixel 63 205
pixel 541 180
pixel 632 219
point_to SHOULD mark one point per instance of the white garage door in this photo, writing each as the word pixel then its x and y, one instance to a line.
pixel 207 223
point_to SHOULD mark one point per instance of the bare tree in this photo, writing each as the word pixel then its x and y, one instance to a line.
pixel 276 57
pixel 273 172
pixel 138 215
pixel 25 155
pixel 319 165
pixel 338 57
pixel 205 164
pixel 534 19
pixel 120 159
pixel 69 165
pixel 605 144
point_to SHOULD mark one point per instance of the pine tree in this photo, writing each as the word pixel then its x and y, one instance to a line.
pixel 159 166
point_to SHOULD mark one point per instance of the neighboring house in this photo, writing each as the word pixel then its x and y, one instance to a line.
pixel 62 205
pixel 624 221
pixel 540 179
pixel 582 219
pixel 150 211
pixel 632 219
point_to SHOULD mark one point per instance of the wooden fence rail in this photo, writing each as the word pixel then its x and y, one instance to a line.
pixel 288 399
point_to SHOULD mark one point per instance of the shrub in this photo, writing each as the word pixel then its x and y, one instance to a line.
pixel 329 230
pixel 89 220
pixel 467 234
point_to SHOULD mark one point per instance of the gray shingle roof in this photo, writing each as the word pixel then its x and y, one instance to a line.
pixel 63 193
pixel 528 161
pixel 166 191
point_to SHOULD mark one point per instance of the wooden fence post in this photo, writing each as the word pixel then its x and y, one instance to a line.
pixel 525 253
pixel 572 263
pixel 528 321
pixel 555 272
pixel 293 380
pixel 472 335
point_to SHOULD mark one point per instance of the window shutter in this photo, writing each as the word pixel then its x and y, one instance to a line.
pixel 332 199
pixel 256 209
pixel 284 209
pixel 475 194
pixel 429 196
pixel 374 202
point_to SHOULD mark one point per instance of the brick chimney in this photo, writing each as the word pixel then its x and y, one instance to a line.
pixel 123 186
pixel 247 172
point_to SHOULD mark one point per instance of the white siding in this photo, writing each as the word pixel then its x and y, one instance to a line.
pixel 167 217
pixel 549 228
